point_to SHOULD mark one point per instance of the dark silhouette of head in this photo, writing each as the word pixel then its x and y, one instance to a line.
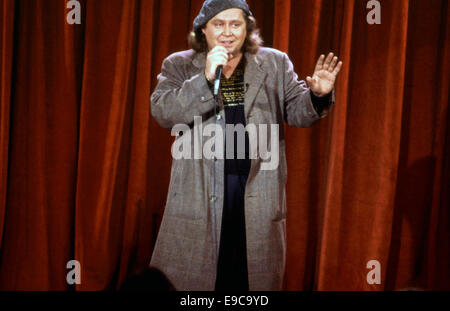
pixel 151 279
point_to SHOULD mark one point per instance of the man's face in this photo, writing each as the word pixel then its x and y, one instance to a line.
pixel 228 29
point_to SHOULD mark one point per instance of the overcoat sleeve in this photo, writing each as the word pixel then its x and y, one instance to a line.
pixel 178 98
pixel 299 109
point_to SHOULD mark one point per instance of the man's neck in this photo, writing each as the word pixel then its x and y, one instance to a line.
pixel 231 65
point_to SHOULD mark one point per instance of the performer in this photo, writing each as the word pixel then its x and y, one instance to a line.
pixel 224 224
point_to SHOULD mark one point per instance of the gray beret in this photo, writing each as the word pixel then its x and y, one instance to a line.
pixel 211 8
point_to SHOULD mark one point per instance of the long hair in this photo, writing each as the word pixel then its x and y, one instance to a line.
pixel 253 41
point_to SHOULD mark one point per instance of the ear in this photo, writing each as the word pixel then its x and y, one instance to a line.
pixel 204 30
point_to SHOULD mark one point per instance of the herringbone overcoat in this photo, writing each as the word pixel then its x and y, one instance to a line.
pixel 187 245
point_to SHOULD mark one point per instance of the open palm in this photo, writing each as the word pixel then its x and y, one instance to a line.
pixel 325 73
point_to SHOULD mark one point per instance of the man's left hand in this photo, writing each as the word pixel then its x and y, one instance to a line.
pixel 324 77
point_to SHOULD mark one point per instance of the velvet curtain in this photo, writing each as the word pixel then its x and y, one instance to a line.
pixel 85 168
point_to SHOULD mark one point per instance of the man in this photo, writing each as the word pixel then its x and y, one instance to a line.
pixel 224 221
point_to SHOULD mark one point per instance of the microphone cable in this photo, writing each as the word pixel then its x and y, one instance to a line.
pixel 214 197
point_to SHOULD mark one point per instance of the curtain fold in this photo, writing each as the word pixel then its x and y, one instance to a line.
pixel 366 176
pixel 6 60
pixel 85 168
pixel 38 221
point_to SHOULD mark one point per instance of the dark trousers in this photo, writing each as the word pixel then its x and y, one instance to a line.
pixel 232 273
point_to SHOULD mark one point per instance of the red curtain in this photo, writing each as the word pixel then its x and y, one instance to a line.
pixel 85 169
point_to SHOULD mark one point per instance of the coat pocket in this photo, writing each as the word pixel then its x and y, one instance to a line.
pixel 182 199
pixel 277 201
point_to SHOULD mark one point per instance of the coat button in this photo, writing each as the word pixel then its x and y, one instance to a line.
pixel 203 98
pixel 213 199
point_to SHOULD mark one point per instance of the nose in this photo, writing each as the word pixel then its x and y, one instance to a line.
pixel 227 30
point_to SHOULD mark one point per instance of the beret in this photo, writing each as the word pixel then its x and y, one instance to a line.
pixel 211 8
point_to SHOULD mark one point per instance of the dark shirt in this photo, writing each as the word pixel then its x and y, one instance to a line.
pixel 233 91
pixel 320 103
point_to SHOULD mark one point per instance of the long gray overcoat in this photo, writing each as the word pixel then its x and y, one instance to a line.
pixel 187 246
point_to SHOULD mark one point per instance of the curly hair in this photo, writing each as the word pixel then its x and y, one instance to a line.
pixel 253 41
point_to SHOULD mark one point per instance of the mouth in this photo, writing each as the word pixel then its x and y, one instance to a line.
pixel 227 43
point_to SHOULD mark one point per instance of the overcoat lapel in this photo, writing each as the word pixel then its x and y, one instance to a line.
pixel 253 79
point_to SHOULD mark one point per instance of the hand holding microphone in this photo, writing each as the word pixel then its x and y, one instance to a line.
pixel 218 56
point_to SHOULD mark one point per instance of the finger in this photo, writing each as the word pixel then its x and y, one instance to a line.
pixel 217 53
pixel 312 82
pixel 222 61
pixel 315 83
pixel 215 62
pixel 328 61
pixel 333 64
pixel 218 63
pixel 320 63
pixel 219 57
pixel 218 48
pixel 337 69
pixel 220 54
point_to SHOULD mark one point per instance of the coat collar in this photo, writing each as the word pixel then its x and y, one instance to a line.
pixel 253 78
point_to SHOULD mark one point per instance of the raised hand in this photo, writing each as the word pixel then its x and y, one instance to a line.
pixel 324 77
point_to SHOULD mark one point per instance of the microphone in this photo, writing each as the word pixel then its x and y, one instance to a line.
pixel 217 81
